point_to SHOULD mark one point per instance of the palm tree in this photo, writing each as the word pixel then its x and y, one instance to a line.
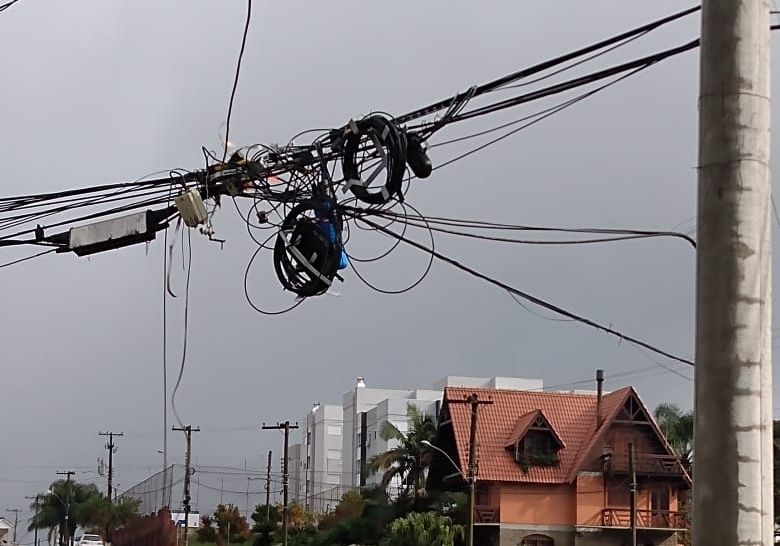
pixel 409 459
pixel 51 509
pixel 106 516
pixel 423 529
pixel 677 426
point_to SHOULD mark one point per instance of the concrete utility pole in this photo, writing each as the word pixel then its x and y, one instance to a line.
pixel 733 389
pixel 67 474
pixel 15 512
pixel 286 426
pixel 111 448
pixel 188 430
pixel 474 401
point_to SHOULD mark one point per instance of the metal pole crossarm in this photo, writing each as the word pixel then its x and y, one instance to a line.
pixel 286 427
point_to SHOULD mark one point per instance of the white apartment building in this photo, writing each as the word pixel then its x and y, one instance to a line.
pixel 335 443
pixel 366 409
pixel 316 461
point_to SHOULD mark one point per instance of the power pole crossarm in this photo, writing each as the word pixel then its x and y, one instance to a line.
pixel 474 401
pixel 286 427
pixel 67 474
pixel 111 448
pixel 15 512
pixel 188 430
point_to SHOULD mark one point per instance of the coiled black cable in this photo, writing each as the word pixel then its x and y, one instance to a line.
pixel 389 142
pixel 306 259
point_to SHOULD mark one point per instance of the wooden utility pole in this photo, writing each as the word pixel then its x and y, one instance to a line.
pixel 268 487
pixel 286 426
pixel 111 449
pixel 733 386
pixel 188 430
pixel 36 499
pixel 632 488
pixel 15 512
pixel 67 474
pixel 474 401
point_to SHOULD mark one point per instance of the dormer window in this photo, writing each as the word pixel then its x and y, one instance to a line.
pixel 534 441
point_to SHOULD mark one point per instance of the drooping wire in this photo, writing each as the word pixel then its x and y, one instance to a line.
pixel 235 81
pixel 530 298
pixel 186 329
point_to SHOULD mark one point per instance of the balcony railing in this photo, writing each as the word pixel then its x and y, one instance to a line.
pixel 486 514
pixel 654 465
pixel 656 519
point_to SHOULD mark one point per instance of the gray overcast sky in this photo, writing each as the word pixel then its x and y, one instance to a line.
pixel 97 91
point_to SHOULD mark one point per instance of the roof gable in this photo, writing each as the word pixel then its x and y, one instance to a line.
pixel 623 406
pixel 533 420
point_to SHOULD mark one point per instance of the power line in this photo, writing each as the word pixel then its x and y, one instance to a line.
pixel 533 299
pixel 235 81
pixel 20 260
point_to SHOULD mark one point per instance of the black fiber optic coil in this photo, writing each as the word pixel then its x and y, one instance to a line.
pixel 371 130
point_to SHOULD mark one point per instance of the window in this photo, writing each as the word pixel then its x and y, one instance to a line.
pixel 334 430
pixel 537 540
pixel 538 443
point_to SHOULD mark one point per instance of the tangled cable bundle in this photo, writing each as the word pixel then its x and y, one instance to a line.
pixel 309 197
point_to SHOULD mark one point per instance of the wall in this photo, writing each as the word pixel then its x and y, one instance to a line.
pixel 590 498
pixel 538 504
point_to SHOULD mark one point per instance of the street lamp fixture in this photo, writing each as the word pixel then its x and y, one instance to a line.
pixel 440 450
pixel 472 487
pixel 67 509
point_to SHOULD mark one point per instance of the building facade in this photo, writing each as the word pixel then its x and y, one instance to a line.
pixel 554 469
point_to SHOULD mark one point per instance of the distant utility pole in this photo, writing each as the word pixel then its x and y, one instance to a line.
pixel 67 474
pixel 15 512
pixel 286 426
pixel 268 487
pixel 632 488
pixel 188 430
pixel 111 448
pixel 474 401
pixel 36 499
pixel 733 384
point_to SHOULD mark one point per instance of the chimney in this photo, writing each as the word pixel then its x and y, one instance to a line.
pixel 599 393
pixel 361 383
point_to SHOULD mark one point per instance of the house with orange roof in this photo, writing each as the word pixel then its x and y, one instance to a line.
pixel 554 468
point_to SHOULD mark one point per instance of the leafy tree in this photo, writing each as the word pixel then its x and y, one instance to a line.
pixel 677 426
pixel 207 533
pixel 264 514
pixel 231 525
pixel 299 519
pixel 51 509
pixel 410 458
pixel 423 529
pixel 351 505
pixel 265 521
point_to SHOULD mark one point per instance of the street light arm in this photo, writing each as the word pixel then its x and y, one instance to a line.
pixel 440 450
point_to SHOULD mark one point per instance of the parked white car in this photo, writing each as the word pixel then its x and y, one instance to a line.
pixel 90 540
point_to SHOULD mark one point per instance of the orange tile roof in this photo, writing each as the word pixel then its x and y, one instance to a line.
pixel 573 416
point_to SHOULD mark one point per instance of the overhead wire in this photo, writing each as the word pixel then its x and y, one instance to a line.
pixel 530 298
pixel 235 81
pixel 186 329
